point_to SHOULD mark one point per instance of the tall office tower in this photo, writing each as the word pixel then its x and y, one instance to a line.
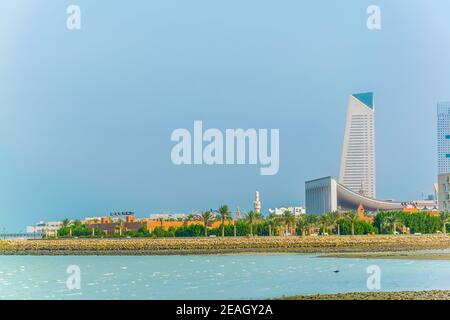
pixel 357 170
pixel 443 128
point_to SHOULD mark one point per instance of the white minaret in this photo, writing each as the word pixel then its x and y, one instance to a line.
pixel 257 203
pixel 238 214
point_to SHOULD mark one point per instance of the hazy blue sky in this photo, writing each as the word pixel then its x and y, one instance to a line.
pixel 86 116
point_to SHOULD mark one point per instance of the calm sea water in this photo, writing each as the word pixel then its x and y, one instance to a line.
pixel 209 277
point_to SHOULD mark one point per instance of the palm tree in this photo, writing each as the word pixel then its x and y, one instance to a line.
pixel 336 217
pixel 207 217
pixel 235 220
pixel 352 217
pixel 310 221
pixel 392 221
pixel 444 217
pixel 65 223
pixel 185 221
pixel 224 213
pixel 272 222
pixel 302 224
pixel 333 222
pixel 325 220
pixel 120 227
pixel 77 223
pixel 251 217
pixel 287 218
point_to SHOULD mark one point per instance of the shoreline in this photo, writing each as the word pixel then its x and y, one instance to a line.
pixel 403 255
pixel 366 247
pixel 376 295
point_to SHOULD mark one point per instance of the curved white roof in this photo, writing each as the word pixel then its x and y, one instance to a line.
pixel 349 199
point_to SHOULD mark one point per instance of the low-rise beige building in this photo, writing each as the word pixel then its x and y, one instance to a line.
pixel 444 192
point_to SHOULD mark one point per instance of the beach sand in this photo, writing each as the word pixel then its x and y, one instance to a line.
pixel 403 295
pixel 382 246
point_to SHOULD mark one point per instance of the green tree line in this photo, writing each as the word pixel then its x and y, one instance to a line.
pixel 254 224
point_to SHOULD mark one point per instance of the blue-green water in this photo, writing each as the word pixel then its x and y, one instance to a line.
pixel 209 277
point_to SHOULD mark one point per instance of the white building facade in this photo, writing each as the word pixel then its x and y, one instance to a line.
pixel 357 171
pixel 321 195
pixel 169 216
pixel 295 210
pixel 48 228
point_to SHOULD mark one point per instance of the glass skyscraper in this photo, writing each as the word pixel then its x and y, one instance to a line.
pixel 357 170
pixel 443 130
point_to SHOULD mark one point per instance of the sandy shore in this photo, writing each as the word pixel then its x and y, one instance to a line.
pixel 407 255
pixel 358 246
pixel 404 295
